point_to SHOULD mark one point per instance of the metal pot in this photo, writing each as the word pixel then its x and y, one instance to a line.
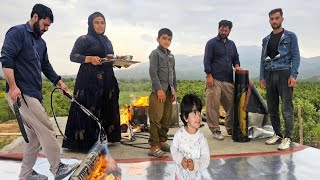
pixel 127 57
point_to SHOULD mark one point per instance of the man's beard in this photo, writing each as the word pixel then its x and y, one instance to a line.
pixel 224 36
pixel 277 27
pixel 36 29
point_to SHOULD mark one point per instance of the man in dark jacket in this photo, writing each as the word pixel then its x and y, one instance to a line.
pixel 24 57
pixel 280 60
pixel 220 58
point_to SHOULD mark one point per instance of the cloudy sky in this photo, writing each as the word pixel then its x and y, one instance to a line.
pixel 132 25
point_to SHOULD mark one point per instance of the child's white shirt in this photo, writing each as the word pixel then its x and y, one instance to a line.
pixel 190 146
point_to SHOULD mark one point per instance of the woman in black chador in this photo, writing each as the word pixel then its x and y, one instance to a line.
pixel 96 88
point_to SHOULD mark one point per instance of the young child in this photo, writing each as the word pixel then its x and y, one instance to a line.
pixel 189 148
pixel 163 78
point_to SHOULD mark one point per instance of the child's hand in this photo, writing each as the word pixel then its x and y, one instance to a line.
pixel 161 96
pixel 184 163
pixel 190 165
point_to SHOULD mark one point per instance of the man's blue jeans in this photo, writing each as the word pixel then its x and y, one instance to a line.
pixel 277 86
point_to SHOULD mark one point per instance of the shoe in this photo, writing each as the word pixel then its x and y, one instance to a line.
pixel 218 136
pixel 64 170
pixel 275 139
pixel 165 147
pixel 158 153
pixel 229 131
pixel 285 144
pixel 36 176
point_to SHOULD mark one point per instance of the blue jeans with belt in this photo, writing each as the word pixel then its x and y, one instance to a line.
pixel 277 86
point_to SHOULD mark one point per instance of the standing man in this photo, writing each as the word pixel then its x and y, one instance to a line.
pixel 24 56
pixel 220 57
pixel 280 60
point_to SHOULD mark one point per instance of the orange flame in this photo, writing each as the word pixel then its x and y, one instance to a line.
pixel 126 113
pixel 143 101
pixel 101 168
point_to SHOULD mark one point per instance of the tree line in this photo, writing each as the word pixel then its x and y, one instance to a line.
pixel 306 95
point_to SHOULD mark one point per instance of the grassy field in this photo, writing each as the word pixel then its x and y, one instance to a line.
pixel 5 112
pixel 317 129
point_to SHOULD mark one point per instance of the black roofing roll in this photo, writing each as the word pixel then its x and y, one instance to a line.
pixel 240 121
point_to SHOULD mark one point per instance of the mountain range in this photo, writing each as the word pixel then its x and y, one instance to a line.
pixel 191 67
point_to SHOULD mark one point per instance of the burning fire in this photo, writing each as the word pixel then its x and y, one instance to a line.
pixel 126 113
pixel 101 168
pixel 97 165
pixel 143 101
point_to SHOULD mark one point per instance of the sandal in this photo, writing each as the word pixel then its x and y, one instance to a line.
pixel 165 147
pixel 158 153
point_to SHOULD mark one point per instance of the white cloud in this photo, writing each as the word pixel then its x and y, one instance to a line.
pixel 132 25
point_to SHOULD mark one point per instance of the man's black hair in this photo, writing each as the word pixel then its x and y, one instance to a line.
pixel 164 31
pixel 187 104
pixel 42 11
pixel 275 11
pixel 225 23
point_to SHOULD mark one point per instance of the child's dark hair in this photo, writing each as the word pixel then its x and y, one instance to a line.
pixel 42 11
pixel 187 104
pixel 164 31
pixel 225 23
pixel 275 11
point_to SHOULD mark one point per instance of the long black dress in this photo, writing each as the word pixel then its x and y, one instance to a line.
pixel 97 89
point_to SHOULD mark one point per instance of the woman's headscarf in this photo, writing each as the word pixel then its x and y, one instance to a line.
pixel 104 41
pixel 91 30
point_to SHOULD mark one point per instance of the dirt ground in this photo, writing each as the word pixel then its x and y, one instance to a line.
pixel 10 126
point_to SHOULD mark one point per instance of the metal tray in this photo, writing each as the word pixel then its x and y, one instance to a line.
pixel 119 62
